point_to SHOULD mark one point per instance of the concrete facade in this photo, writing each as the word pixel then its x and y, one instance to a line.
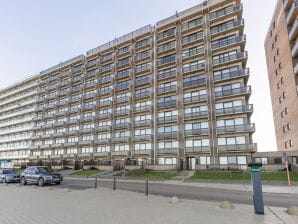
pixel 281 54
pixel 173 94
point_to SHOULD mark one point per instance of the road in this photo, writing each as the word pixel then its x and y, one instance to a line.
pixel 187 192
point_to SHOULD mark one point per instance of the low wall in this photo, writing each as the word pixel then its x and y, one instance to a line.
pixel 276 167
pixel 106 168
pixel 161 167
pixel 294 167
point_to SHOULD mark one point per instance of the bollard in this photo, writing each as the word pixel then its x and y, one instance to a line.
pixel 147 183
pixel 257 187
pixel 114 187
pixel 95 183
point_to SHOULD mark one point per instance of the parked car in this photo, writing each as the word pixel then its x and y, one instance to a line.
pixel 9 176
pixel 40 175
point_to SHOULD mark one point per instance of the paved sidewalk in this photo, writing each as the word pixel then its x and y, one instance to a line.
pixel 52 206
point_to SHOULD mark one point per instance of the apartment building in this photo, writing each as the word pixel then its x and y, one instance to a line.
pixel 17 109
pixel 281 53
pixel 173 95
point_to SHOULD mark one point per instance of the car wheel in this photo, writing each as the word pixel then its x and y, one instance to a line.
pixel 23 181
pixel 40 182
pixel 58 183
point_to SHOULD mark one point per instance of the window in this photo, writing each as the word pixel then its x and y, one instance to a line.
pixel 87 150
pixel 197 143
pixel 103 149
pixel 166 129
pixel 168 145
pixel 205 160
pixel 263 160
pixel 231 140
pixel 119 148
pixel 142 132
pixel 142 146
pixel 167 161
pixel 230 122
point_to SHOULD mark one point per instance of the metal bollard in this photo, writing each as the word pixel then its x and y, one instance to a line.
pixel 95 183
pixel 114 187
pixel 147 183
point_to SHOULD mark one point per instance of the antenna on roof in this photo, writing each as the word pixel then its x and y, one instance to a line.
pixel 177 14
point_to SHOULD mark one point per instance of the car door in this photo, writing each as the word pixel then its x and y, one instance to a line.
pixel 27 174
pixel 35 175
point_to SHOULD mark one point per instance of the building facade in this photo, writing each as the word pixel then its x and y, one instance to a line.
pixel 281 48
pixel 172 95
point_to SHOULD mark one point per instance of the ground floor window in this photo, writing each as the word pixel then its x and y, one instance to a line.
pixel 167 161
pixel 72 151
pixel 205 160
pixel 263 160
pixel 232 160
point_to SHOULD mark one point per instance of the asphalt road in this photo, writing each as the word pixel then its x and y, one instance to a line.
pixel 187 192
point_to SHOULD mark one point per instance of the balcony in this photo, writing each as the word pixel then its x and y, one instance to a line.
pixel 120 153
pixel 293 12
pixel 167 89
pixel 166 34
pixel 91 63
pixel 195 99
pixel 236 128
pixel 90 74
pixel 89 96
pixel 142 68
pixel 194 67
pixel 143 43
pixel 122 99
pixel 86 142
pixel 192 38
pixel 143 56
pixel 245 90
pixel 230 58
pixel 239 147
pixel 86 130
pixel 142 109
pixel 104 128
pixel 121 126
pixel 293 31
pixel 120 87
pixel 226 12
pixel 102 141
pixel 196 115
pixel 235 110
pixel 194 83
pixel 142 123
pixel 141 152
pixel 121 112
pixel 124 139
pixel 74 99
pixel 171 134
pixel 145 137
pixel 101 154
pixel 105 80
pixel 295 50
pixel 166 47
pixel 123 74
pixel 192 24
pixel 57 145
pixel 123 51
pixel 171 103
pixel 88 107
pixel 196 132
pixel 167 119
pixel 198 149
pixel 287 3
pixel 228 42
pixel 193 52
pixel 228 27
pixel 58 134
pixel 172 150
pixel 104 116
pixel 232 75
pixel 143 81
pixel 167 74
pixel 76 79
pixel 167 60
pixel 105 103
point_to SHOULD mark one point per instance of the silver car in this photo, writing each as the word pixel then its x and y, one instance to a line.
pixel 9 176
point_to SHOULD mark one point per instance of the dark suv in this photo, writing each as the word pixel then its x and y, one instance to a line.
pixel 40 175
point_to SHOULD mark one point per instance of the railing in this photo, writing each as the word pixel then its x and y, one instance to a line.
pixel 227 42
pixel 234 110
pixel 142 123
pixel 173 118
pixel 121 112
pixel 103 116
pixel 195 99
pixel 193 132
pixel 195 115
pixel 173 150
pixel 226 26
pixel 167 74
pixel 167 89
pixel 192 24
pixel 236 91
pixel 142 108
pixel 171 134
pixel 145 137
pixel 194 67
pixel 236 128
pixel 228 10
pixel 229 58
pixel 191 38
pixel 238 147
pixel 145 80
pixel 197 149
pixel 142 94
pixel 196 82
pixel 193 52
pixel 167 104
pixel 166 47
pixel 165 34
pixel 232 74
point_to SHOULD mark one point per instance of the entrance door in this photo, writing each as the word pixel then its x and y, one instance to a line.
pixel 191 163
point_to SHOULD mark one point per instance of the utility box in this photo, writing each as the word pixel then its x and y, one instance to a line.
pixel 255 170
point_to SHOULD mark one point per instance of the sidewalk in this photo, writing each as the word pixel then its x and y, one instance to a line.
pixel 52 206
pixel 226 186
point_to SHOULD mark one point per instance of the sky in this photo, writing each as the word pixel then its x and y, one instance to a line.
pixel 35 35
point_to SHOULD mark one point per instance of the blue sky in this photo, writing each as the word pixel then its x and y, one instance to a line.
pixel 36 34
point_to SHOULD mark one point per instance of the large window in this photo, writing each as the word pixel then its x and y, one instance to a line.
pixel 231 140
pixel 142 146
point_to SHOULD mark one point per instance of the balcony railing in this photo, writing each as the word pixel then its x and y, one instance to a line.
pixel 232 74
pixel 226 11
pixel 166 60
pixel 120 139
pixel 227 26
pixel 105 103
pixel 292 12
pixel 142 81
pixel 122 99
pixel 236 128
pixel 195 115
pixel 103 116
pixel 142 94
pixel 104 128
pixel 172 150
pixel 167 89
pixel 166 47
pixel 121 125
pixel 235 110
pixel 167 104
pixel 194 132
pixel 295 50
pixel 190 25
pixel 194 67
pixel 195 149
pixel 239 147
pixel 171 134
pixel 142 123
pixel 196 82
pixel 166 34
pixel 121 112
pixel 167 74
pixel 236 91
pixel 142 137
pixel 142 108
pixel 193 52
pixel 120 87
pixel 293 31
pixel 227 42
pixel 192 38
pixel 105 80
pixel 195 99
pixel 229 58
pixel 173 118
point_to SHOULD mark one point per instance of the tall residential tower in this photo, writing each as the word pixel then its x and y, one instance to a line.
pixel 282 62
pixel 173 95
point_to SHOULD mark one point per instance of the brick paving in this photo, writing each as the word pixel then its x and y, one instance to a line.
pixel 36 205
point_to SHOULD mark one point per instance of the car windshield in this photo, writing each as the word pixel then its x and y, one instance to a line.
pixel 43 170
pixel 8 171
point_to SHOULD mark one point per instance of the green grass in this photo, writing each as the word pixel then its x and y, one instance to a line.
pixel 154 175
pixel 19 171
pixel 85 173
pixel 222 175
